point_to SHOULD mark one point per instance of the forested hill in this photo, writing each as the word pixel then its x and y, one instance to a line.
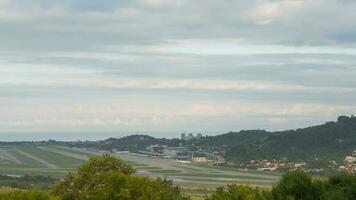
pixel 128 143
pixel 332 140
pixel 329 141
pixel 234 138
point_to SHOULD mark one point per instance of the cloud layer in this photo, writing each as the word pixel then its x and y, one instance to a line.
pixel 175 65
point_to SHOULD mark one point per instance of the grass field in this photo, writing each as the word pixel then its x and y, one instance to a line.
pixel 197 180
pixel 33 160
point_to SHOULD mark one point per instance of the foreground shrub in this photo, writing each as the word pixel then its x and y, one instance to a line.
pixel 26 195
pixel 108 178
pixel 340 187
pixel 238 192
pixel 296 185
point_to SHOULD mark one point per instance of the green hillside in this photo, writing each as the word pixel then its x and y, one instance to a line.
pixel 330 141
pixel 316 144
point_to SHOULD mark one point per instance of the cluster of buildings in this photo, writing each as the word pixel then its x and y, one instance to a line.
pixel 178 153
pixel 349 163
pixel 272 165
pixel 183 153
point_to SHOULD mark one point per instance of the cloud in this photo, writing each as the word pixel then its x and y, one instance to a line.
pixel 136 116
pixel 75 25
pixel 266 13
pixel 175 64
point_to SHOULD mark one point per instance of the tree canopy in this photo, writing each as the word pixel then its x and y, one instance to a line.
pixel 109 178
pixel 295 185
pixel 102 178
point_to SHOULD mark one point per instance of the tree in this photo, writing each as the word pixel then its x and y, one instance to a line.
pixel 109 178
pixel 26 195
pixel 238 192
pixel 340 187
pixel 297 185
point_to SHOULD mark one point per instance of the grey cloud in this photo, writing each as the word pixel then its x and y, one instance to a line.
pixel 305 69
pixel 50 26
pixel 65 42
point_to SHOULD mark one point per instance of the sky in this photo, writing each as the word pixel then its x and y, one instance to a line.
pixel 77 69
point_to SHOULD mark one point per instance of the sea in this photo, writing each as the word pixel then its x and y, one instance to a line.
pixel 78 136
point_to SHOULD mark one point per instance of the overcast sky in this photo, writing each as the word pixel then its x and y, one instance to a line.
pixel 169 66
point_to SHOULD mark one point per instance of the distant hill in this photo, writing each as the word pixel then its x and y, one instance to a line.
pixel 332 140
pixel 316 144
pixel 234 138
pixel 129 143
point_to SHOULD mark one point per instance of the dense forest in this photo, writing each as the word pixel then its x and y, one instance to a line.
pixel 330 141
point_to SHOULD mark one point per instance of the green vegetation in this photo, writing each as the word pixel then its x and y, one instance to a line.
pixel 204 178
pixel 26 195
pixel 315 145
pixel 27 182
pixel 235 192
pixel 296 185
pixel 28 162
pixel 331 141
pixel 109 178
pixel 228 176
pixel 102 178
pixel 137 164
pixel 187 168
pixel 164 171
pixel 131 143
pixel 148 168
pixel 53 158
pixel 74 151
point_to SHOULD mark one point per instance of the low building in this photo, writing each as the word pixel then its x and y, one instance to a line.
pixel 299 165
pixel 267 169
pixel 349 163
pixel 200 159
pixel 156 148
